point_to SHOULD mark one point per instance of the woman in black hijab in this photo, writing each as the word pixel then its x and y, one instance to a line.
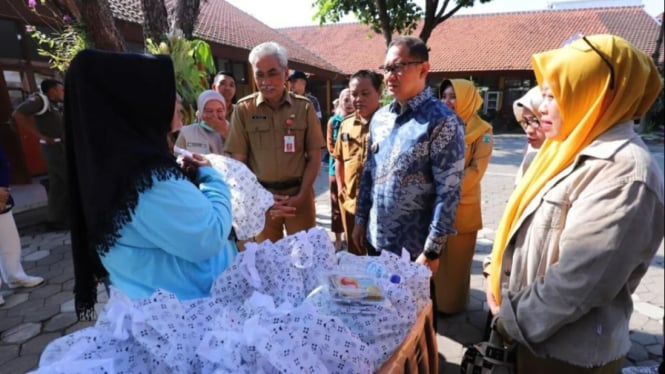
pixel 136 218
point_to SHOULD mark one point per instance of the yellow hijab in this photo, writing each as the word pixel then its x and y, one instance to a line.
pixel 468 103
pixel 580 82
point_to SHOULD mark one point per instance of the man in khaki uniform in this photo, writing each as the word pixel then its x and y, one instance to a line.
pixel 350 153
pixel 279 136
pixel 42 115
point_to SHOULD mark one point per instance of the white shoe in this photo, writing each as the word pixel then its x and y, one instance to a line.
pixel 26 282
pixel 640 370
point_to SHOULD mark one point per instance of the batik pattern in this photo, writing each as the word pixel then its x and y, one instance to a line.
pixel 410 186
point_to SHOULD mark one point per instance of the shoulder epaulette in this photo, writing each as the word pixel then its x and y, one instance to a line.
pixel 248 97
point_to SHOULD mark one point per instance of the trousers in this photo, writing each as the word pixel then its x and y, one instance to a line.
pixel 10 249
pixel 58 191
pixel 305 219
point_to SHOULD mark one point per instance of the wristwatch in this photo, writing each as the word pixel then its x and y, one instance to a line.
pixel 431 255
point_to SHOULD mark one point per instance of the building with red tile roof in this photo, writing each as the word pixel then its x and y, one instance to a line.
pixel 494 50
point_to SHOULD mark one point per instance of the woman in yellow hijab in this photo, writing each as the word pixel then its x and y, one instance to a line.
pixel 580 230
pixel 453 276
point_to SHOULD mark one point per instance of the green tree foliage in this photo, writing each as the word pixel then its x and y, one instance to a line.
pixel 65 37
pixel 192 62
pixel 389 17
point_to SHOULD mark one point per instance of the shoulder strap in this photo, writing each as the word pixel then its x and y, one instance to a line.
pixel 46 104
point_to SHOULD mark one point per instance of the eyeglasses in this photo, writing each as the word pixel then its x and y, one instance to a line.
pixel 529 121
pixel 598 52
pixel 398 67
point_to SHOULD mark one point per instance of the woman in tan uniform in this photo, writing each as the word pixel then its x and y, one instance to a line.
pixel 452 278
pixel 351 146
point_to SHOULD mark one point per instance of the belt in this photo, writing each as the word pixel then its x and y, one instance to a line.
pixel 282 185
pixel 55 140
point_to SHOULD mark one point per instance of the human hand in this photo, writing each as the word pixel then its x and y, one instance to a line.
pixel 491 300
pixel 433 265
pixel 4 197
pixel 296 201
pixel 358 237
pixel 281 209
pixel 191 165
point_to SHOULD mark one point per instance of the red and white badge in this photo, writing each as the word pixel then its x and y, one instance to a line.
pixel 289 143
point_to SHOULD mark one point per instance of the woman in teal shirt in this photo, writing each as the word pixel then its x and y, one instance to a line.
pixel 137 218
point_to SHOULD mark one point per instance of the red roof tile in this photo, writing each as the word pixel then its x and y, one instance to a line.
pixel 223 23
pixel 485 42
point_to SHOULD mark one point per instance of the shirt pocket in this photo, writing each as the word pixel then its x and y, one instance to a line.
pixel 299 130
pixel 259 135
pixel 198 147
pixel 553 210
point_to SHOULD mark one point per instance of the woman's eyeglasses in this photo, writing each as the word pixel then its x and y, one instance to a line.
pixel 529 121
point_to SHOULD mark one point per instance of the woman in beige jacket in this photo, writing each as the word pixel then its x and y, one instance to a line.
pixel 580 230
pixel 452 279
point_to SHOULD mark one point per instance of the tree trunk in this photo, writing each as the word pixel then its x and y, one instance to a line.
pixel 99 25
pixel 186 13
pixel 385 21
pixel 659 42
pixel 432 21
pixel 155 19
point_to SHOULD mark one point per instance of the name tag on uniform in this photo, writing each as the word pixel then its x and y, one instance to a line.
pixel 202 148
pixel 259 116
pixel 345 137
pixel 289 143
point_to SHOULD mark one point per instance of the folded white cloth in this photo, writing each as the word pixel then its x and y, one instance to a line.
pixel 249 200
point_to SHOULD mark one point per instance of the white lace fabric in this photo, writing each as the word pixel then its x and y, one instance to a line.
pixel 268 313
pixel 249 200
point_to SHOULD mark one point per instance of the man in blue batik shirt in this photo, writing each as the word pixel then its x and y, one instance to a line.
pixel 410 185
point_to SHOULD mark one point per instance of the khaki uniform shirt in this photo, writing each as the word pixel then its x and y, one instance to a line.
pixel 50 123
pixel 351 149
pixel 229 111
pixel 196 139
pixel 476 158
pixel 258 131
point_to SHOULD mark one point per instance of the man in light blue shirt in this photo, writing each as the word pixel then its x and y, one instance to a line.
pixel 410 185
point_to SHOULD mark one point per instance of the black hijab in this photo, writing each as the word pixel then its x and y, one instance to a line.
pixel 118 111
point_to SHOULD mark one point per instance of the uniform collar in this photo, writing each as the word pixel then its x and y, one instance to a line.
pixel 287 97
pixel 359 121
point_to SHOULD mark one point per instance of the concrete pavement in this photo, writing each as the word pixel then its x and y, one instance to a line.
pixel 31 318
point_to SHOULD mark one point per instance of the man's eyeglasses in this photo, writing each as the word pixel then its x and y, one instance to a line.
pixel 529 121
pixel 398 67
pixel 598 52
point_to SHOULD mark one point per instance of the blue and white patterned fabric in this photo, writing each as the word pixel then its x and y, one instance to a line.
pixel 410 185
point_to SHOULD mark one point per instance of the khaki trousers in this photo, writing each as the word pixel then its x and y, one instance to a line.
pixel 528 363
pixel 452 280
pixel 305 219
pixel 348 221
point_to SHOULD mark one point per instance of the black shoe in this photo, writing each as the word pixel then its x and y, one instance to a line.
pixel 57 226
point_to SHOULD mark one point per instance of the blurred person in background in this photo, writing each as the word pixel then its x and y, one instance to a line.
pixel 343 107
pixel 454 275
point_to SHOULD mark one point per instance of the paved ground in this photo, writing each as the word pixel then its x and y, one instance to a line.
pixel 32 318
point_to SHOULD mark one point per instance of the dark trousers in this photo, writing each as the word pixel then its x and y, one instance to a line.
pixel 58 188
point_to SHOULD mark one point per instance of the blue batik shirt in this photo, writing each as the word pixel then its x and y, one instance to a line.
pixel 410 185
